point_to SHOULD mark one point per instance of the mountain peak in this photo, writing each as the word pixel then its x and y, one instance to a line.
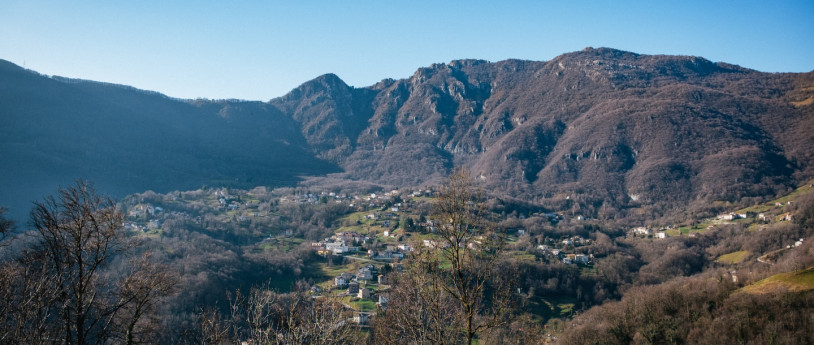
pixel 605 51
pixel 466 63
pixel 326 83
pixel 599 125
pixel 330 78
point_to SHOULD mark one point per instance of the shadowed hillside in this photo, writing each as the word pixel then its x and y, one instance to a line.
pixel 601 132
pixel 55 130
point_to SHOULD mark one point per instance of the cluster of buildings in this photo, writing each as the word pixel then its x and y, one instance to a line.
pixel 356 284
pixel 144 210
pixel 724 218
pixel 340 243
pixel 350 242
pixel 370 200
pixel 391 252
pixel 312 199
pixel 557 249
pixel 645 231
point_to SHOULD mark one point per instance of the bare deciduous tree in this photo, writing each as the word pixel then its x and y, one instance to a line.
pixel 6 226
pixel 139 292
pixel 79 233
pixel 452 282
pixel 267 317
pixel 209 328
pixel 297 318
pixel 418 311
pixel 26 299
pixel 60 287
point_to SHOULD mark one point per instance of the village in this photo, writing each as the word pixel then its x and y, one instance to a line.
pixel 374 237
pixel 376 233
pixel 755 217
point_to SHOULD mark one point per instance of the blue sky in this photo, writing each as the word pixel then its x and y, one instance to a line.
pixel 259 50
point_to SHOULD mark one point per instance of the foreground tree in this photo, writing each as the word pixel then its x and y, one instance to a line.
pixel 66 281
pixel 418 310
pixel 451 291
pixel 268 317
pixel 6 226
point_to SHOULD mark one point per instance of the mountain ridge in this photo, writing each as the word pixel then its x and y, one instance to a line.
pixel 600 132
pixel 476 113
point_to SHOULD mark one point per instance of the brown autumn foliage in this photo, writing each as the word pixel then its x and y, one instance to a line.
pixel 65 284
pixel 705 309
pixel 453 291
pixel 606 133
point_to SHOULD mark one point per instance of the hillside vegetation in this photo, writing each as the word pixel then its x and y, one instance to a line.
pixel 560 278
pixel 796 281
pixel 601 133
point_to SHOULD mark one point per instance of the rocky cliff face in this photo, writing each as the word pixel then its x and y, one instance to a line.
pixel 600 132
pixel 599 127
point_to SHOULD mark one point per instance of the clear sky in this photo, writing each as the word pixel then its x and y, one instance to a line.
pixel 259 50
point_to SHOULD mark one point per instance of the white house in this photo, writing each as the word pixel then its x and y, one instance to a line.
pixel 364 273
pixel 435 244
pixel 337 247
pixel 343 279
pixel 728 216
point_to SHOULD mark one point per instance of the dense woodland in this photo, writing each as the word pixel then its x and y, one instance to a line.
pixel 207 269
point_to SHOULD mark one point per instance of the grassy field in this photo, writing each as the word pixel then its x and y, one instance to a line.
pixel 363 305
pixel 281 243
pixel 524 256
pixel 760 208
pixel 792 281
pixel 733 258
pixel 766 206
pixel 686 230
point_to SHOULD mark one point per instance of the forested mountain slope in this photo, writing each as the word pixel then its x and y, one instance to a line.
pixel 126 140
pixel 600 132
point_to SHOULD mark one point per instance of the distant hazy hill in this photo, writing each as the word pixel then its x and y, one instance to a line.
pixel 596 132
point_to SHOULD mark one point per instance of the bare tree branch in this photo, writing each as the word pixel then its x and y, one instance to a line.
pixel 449 292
